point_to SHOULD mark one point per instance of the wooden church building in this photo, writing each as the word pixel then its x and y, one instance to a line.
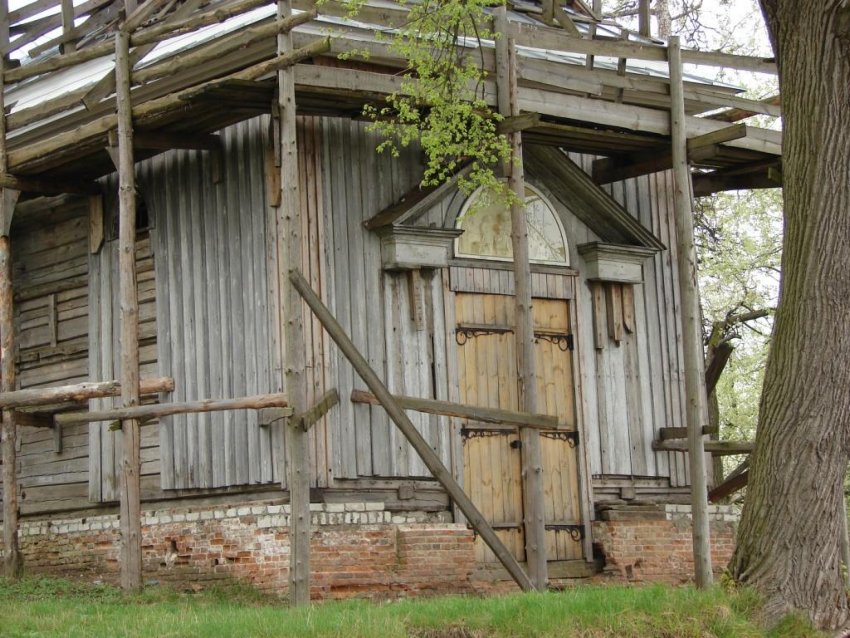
pixel 239 343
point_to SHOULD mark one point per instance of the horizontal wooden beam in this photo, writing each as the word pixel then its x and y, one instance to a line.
pixel 150 140
pixel 737 179
pixel 158 410
pixel 615 169
pixel 518 123
pixel 638 118
pixel 486 415
pixel 79 392
pixel 727 134
pixel 742 112
pixel 542 37
pixel 715 448
pixel 48 186
pixel 667 434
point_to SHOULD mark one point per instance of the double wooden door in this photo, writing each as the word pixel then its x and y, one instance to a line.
pixel 486 355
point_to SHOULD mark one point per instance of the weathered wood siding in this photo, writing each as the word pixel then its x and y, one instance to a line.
pixel 214 307
pixel 105 445
pixel 50 253
pixel 374 307
pixel 632 390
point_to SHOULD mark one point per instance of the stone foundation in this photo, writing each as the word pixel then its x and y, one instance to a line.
pixel 654 543
pixel 357 549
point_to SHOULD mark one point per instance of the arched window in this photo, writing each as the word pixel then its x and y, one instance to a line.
pixel 487 231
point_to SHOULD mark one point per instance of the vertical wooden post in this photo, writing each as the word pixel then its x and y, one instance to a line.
pixel 289 247
pixel 130 490
pixel 644 21
pixel 532 457
pixel 67 7
pixel 12 559
pixel 691 321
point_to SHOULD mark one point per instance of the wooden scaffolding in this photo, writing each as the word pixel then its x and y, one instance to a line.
pixel 640 124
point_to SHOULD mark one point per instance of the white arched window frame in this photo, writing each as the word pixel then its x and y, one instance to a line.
pixel 487 231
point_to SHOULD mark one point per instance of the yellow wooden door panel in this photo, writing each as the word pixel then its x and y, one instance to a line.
pixel 486 358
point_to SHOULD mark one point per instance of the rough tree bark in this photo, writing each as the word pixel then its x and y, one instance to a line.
pixel 789 537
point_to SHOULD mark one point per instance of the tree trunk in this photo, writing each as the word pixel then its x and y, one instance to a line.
pixel 665 22
pixel 789 537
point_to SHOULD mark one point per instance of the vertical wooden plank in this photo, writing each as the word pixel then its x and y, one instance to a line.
pixel 345 440
pixel 585 473
pixel 600 316
pixel 649 330
pixel 692 331
pixel 273 267
pixel 197 227
pixel 289 241
pixel 375 182
pixel 130 503
pixel 312 264
pixel 95 341
pixel 95 223
pixel 634 407
pixel 614 303
pixel 454 364
pixel 648 388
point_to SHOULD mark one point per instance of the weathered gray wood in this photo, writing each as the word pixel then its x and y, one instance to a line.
pixel 130 501
pixel 532 459
pixel 289 246
pixel 691 320
pixel 308 419
pixel 153 34
pixel 214 325
pixel 107 84
pixel 668 434
pixel 166 409
pixel 397 414
pixel 716 448
pixel 79 392
pixel 12 557
pixel 151 108
pixel 459 410
pixel 220 47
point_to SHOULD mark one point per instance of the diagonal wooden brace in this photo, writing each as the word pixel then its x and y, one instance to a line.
pixel 308 419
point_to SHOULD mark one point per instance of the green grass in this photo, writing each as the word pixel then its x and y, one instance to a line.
pixel 42 607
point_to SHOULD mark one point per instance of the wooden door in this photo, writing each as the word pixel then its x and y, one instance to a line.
pixel 492 454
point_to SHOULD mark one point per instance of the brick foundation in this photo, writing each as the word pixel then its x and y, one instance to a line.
pixel 654 544
pixel 357 549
